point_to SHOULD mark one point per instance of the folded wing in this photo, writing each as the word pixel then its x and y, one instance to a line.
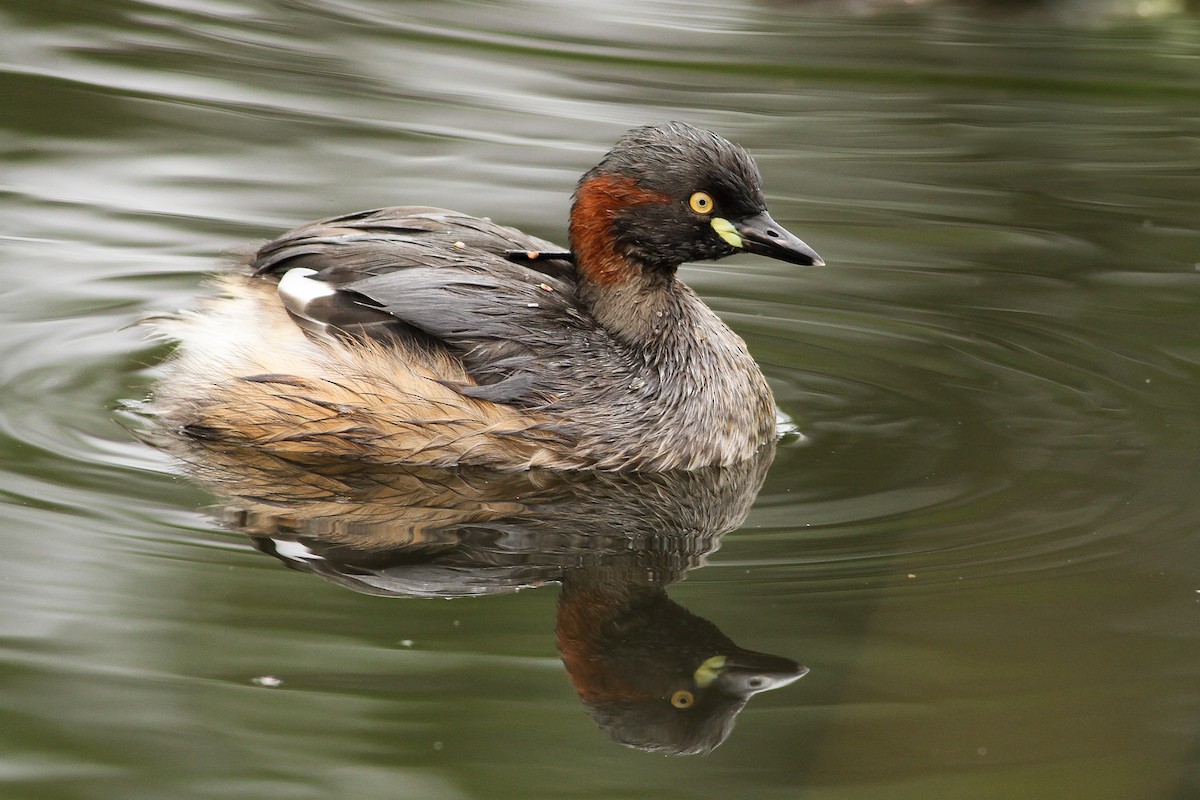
pixel 429 279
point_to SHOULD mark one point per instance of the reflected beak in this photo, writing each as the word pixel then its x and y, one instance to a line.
pixel 748 673
pixel 762 235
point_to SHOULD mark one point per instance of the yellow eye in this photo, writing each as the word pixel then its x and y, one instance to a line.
pixel 701 203
pixel 683 699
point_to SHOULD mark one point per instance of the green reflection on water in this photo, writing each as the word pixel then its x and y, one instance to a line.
pixel 995 378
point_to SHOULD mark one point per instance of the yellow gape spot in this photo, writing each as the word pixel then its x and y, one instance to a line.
pixel 726 231
pixel 707 672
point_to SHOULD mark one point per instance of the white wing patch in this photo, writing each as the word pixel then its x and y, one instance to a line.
pixel 302 296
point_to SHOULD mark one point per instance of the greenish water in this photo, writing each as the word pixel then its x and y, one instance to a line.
pixel 985 545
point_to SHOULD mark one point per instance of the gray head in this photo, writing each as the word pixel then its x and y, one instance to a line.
pixel 666 194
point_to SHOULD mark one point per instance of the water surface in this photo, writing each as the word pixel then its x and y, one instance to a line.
pixel 982 542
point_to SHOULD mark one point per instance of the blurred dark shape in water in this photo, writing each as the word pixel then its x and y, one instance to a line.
pixel 652 674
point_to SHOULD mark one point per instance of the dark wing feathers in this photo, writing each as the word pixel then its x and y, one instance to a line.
pixel 502 320
pixel 409 223
pixel 435 278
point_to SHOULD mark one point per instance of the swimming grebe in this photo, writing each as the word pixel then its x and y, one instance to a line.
pixel 422 336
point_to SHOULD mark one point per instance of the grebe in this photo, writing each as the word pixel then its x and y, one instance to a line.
pixel 422 336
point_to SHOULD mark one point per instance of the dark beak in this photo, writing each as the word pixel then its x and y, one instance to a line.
pixel 748 673
pixel 766 237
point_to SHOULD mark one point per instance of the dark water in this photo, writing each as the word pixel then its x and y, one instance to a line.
pixel 983 542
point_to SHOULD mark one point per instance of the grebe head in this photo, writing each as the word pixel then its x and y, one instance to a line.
pixel 666 194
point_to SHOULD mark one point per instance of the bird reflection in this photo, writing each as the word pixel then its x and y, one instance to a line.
pixel 654 675
pixel 651 673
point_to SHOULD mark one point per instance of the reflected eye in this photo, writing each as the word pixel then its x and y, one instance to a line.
pixel 683 699
pixel 701 202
